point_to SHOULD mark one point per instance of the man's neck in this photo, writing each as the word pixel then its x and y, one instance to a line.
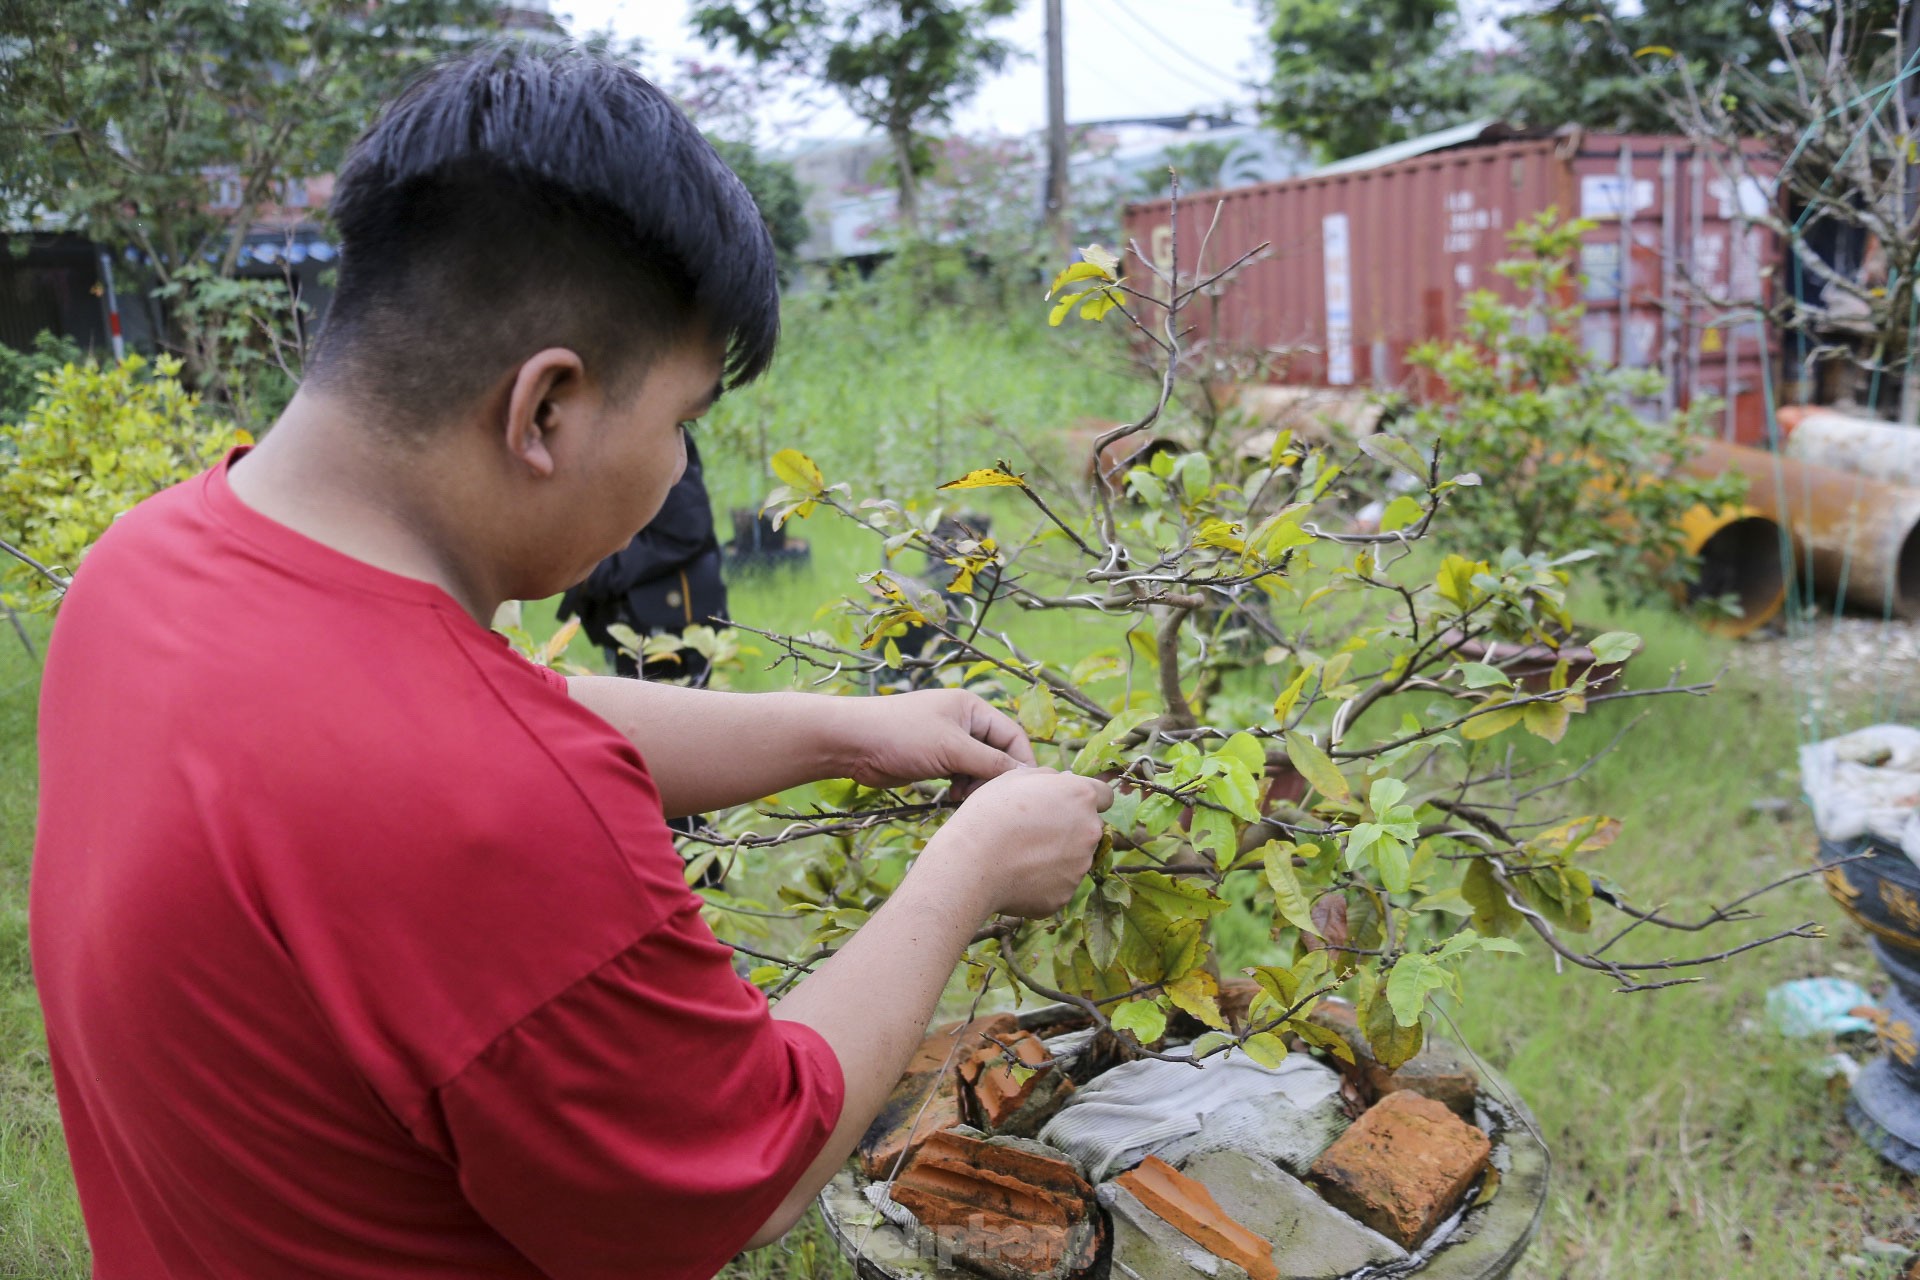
pixel 323 474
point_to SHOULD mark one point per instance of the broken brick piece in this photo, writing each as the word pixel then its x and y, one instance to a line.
pixel 1402 1167
pixel 1012 1085
pixel 927 1098
pixel 1439 1071
pixel 1190 1208
pixel 1008 1210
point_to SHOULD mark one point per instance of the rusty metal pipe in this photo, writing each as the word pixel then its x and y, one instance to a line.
pixel 1852 531
pixel 1865 446
pixel 1739 555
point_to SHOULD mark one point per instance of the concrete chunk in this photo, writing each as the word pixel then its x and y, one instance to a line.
pixel 1311 1239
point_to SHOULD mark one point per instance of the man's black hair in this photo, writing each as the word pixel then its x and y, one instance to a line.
pixel 520 198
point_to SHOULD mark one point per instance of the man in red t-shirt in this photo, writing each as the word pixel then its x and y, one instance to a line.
pixel 363 947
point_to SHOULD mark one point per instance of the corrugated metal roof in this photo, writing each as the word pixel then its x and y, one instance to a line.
pixel 1379 157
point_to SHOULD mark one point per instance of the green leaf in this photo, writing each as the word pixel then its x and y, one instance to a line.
pixel 1213 1042
pixel 1403 511
pixel 1289 899
pixel 1176 899
pixel 1196 476
pixel 1316 766
pixel 1322 1038
pixel 1614 646
pixel 1395 452
pixel 1385 794
pixel 1267 1049
pixel 1478 675
pixel 1493 915
pixel 1393 1045
pixel 1103 919
pixel 1390 861
pixel 1238 790
pixel 1103 748
pixel 1213 832
pixel 1246 749
pixel 1414 977
pixel 1036 712
pixel 1145 1019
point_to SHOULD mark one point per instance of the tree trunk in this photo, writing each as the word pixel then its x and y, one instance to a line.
pixel 907 211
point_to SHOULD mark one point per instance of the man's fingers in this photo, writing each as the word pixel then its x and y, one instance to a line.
pixel 1102 794
pixel 976 760
pixel 998 729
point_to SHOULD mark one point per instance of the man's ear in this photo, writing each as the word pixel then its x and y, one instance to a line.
pixel 545 392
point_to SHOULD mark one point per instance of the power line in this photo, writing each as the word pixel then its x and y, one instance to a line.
pixel 1201 63
pixel 1155 54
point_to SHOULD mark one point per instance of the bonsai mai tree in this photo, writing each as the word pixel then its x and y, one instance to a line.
pixel 1300 721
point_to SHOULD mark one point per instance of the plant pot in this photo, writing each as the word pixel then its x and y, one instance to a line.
pixel 1484 1243
pixel 1881 893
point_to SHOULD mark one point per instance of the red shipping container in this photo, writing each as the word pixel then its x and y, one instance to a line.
pixel 1366 263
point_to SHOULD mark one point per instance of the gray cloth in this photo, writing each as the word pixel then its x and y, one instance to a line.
pixel 1148 1107
pixel 1866 783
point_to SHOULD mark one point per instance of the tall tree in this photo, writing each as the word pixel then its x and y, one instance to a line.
pixel 903 66
pixel 168 126
pixel 1352 75
pixel 1571 61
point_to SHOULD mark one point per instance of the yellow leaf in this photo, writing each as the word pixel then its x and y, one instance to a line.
pixel 1096 307
pixel 1646 49
pixel 1105 259
pixel 1283 705
pixel 1547 720
pixel 797 469
pixel 1455 580
pixel 1215 532
pixel 1315 766
pixel 986 478
pixel 557 643
pixel 1078 271
pixel 1491 723
pixel 1197 994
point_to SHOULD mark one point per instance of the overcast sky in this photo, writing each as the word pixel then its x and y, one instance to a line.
pixel 1125 58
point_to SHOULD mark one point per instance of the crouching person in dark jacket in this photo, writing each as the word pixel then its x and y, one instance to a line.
pixel 664 581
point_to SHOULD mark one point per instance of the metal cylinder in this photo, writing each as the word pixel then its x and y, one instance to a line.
pixel 1739 554
pixel 1857 537
pixel 1865 446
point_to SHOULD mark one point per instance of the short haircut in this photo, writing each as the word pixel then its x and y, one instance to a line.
pixel 524 197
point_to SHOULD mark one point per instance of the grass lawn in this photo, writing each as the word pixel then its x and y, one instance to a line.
pixel 1690 1141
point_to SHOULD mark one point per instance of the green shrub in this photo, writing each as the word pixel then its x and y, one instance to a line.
pixel 100 438
pixel 1566 459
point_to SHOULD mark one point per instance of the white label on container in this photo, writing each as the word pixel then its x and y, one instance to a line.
pixel 1339 288
pixel 1600 195
pixel 1755 197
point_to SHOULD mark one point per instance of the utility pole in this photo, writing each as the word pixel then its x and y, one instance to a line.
pixel 1909 409
pixel 1057 132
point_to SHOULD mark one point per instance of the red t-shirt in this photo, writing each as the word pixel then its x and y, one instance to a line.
pixel 364 949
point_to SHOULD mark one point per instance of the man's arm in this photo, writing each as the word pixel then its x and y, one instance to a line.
pixel 1019 846
pixel 707 749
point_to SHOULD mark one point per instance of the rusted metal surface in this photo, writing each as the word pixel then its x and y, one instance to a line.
pixel 1365 265
pixel 1858 538
pixel 1866 446
pixel 1741 554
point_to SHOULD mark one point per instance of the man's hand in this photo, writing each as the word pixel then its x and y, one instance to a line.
pixel 935 733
